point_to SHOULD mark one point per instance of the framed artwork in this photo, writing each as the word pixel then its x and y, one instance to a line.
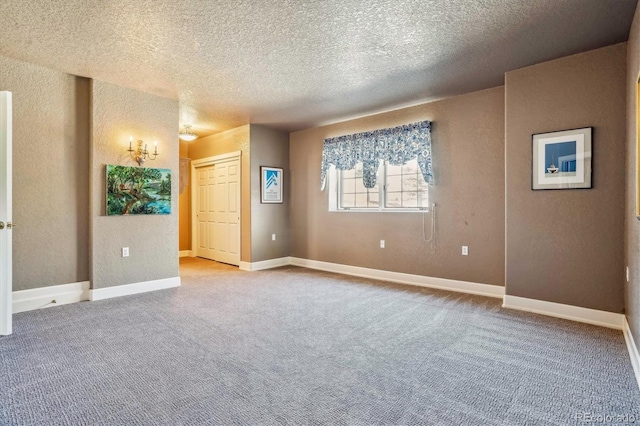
pixel 270 185
pixel 562 160
pixel 138 190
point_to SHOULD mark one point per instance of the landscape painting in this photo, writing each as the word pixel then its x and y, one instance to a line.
pixel 138 190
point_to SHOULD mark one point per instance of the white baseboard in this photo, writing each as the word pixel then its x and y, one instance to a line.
pixel 399 277
pixel 265 264
pixel 559 310
pixel 633 350
pixel 43 297
pixel 185 253
pixel 135 288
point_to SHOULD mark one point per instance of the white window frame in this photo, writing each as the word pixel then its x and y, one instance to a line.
pixel 335 187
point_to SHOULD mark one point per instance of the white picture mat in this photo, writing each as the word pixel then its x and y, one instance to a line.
pixel 581 178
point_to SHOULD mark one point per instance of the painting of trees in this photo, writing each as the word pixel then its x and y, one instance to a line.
pixel 138 190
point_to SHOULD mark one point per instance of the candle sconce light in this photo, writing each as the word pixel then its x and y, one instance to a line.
pixel 140 154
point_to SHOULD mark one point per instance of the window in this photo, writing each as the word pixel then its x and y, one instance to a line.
pixel 398 188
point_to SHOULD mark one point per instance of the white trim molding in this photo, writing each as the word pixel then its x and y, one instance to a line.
pixel 633 350
pixel 185 253
pixel 135 288
pixel 46 297
pixel 569 312
pixel 399 277
pixel 265 264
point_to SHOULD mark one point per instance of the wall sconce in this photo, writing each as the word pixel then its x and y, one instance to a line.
pixel 140 154
pixel 186 134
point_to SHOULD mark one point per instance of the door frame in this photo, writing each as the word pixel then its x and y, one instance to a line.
pixel 205 162
pixel 6 274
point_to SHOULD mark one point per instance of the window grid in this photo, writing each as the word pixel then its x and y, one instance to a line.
pixel 403 189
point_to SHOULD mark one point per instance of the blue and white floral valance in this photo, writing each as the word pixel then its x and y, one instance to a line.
pixel 396 145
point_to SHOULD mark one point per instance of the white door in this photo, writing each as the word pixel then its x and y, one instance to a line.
pixel 6 278
pixel 218 211
pixel 205 215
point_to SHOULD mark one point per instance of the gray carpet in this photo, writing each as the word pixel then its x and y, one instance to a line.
pixel 295 346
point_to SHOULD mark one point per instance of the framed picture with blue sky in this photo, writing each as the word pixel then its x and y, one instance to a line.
pixel 562 160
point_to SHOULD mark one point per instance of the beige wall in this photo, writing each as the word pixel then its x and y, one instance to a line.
pixel 153 239
pixel 184 207
pixel 468 150
pixel 270 148
pixel 50 174
pixel 565 246
pixel 230 141
pixel 632 224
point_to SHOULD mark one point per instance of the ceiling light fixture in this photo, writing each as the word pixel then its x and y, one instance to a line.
pixel 186 134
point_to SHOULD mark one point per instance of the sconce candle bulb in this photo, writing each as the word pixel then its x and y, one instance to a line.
pixel 140 154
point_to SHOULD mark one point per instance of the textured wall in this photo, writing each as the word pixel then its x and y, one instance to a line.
pixel 565 246
pixel 468 150
pixel 230 141
pixel 153 239
pixel 270 148
pixel 184 205
pixel 50 174
pixel 632 224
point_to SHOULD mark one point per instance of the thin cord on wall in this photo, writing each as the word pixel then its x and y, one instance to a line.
pixel 432 238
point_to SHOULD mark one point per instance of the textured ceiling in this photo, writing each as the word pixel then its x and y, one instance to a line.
pixel 295 64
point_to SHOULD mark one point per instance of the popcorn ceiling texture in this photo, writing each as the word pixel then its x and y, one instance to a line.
pixel 295 65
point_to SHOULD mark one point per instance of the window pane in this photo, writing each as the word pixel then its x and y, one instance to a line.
pixel 361 200
pixel 348 173
pixel 404 185
pixel 394 199
pixel 348 200
pixel 410 167
pixel 374 199
pixel 393 170
pixel 423 199
pixel 348 186
pixel 410 199
pixel 410 182
pixel 394 183
pixel 360 187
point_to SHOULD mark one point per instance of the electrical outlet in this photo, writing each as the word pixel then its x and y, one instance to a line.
pixel 465 250
pixel 273 237
pixel 381 243
pixel 125 251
